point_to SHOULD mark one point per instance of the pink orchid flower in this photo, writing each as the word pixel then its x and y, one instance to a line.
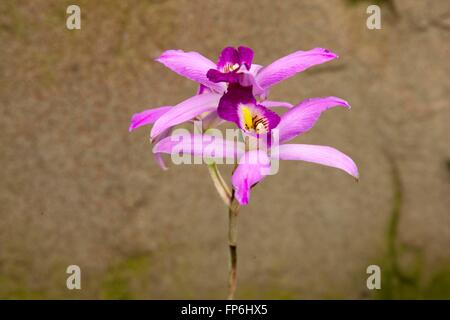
pixel 253 163
pixel 194 66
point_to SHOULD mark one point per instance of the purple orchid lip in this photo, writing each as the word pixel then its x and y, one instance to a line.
pixel 217 76
pixel 238 105
pixel 231 59
pixel 230 63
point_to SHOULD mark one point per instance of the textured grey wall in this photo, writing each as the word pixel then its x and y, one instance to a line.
pixel 77 188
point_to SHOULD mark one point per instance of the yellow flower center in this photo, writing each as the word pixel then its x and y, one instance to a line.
pixel 254 123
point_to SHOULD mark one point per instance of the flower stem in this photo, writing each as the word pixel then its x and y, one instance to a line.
pixel 228 197
pixel 220 184
pixel 232 244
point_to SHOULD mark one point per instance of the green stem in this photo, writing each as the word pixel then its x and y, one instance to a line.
pixel 220 184
pixel 233 209
pixel 232 244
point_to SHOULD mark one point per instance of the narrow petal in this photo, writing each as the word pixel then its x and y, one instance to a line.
pixel 274 104
pixel 158 156
pixel 191 65
pixel 147 117
pixel 185 111
pixel 289 65
pixel 302 117
pixel 324 155
pixel 160 161
pixel 251 169
pixel 200 145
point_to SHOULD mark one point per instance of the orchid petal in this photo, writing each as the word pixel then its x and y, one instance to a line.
pixel 254 68
pixel 228 57
pixel 245 56
pixel 217 76
pixel 158 156
pixel 200 145
pixel 289 65
pixel 147 117
pixel 191 65
pixel 249 171
pixel 185 111
pixel 247 79
pixel 203 89
pixel 302 117
pixel 324 155
pixel 274 104
pixel 229 102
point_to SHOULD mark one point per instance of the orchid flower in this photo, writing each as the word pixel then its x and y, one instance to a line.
pixel 250 170
pixel 234 65
pixel 296 121
pixel 262 78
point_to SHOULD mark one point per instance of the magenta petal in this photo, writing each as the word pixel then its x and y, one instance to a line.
pixel 199 145
pixel 147 117
pixel 228 105
pixel 158 156
pixel 251 169
pixel 217 76
pixel 289 65
pixel 191 65
pixel 245 56
pixel 302 117
pixel 184 111
pixel 228 56
pixel 247 79
pixel 318 154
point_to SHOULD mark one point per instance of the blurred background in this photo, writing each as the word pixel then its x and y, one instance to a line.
pixel 77 188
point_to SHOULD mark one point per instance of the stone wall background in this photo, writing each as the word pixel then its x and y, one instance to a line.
pixel 77 188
